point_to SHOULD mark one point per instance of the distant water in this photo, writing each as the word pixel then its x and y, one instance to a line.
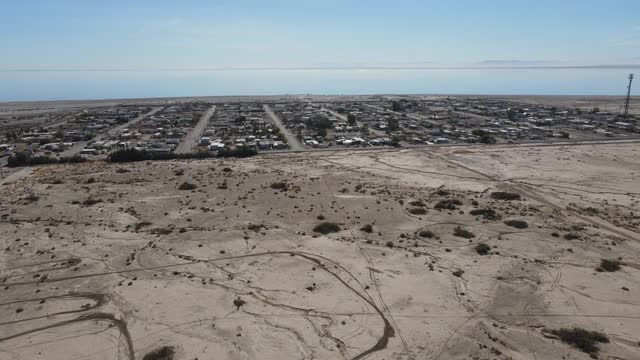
pixel 69 85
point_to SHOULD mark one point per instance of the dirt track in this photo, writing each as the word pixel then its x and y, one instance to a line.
pixel 144 264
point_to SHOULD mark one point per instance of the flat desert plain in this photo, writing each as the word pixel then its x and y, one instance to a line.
pixel 479 252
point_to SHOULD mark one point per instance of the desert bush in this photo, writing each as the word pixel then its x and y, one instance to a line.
pixel 518 224
pixel 585 340
pixel 482 249
pixel 418 203
pixel 187 186
pixel 161 231
pixel 327 228
pixel 488 214
pixel 389 244
pixel 255 227
pixel 502 195
pixel 571 236
pixel 417 211
pixel 448 204
pixel 609 265
pixel 457 273
pixel 426 234
pixel 161 353
pixel 280 185
pixel 91 201
pixel 367 228
pixel 141 224
pixel 31 198
pixel 591 210
pixel 463 233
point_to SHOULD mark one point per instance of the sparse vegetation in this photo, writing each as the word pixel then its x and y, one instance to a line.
pixel 608 265
pixel 238 303
pixel 502 195
pixel 463 233
pixel 518 224
pixel 488 214
pixel 426 234
pixel 187 186
pixel 448 204
pixel 367 228
pixel 418 203
pixel 280 185
pixel 141 224
pixel 91 201
pixel 457 273
pixel 417 211
pixel 327 228
pixel 31 198
pixel 571 236
pixel 584 340
pixel 482 249
pixel 161 353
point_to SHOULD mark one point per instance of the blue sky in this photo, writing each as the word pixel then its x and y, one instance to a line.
pixel 191 34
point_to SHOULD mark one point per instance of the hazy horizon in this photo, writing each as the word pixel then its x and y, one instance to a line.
pixel 73 49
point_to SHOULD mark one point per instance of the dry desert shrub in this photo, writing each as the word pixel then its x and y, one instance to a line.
pixel 327 228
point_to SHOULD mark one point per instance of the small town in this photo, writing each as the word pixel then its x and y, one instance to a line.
pixel 302 123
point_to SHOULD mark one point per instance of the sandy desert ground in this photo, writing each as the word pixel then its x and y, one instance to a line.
pixel 105 261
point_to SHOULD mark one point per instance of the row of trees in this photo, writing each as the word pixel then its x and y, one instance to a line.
pixel 133 155
pixel 25 159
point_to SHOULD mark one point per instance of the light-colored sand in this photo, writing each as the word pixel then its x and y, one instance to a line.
pixel 150 265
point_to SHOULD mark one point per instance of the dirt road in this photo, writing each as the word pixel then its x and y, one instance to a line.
pixel 294 144
pixel 191 139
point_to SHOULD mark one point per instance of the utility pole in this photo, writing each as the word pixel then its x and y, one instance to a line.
pixel 626 103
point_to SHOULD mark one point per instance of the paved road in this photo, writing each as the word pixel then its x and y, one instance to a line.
pixel 190 141
pixel 294 144
pixel 78 146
